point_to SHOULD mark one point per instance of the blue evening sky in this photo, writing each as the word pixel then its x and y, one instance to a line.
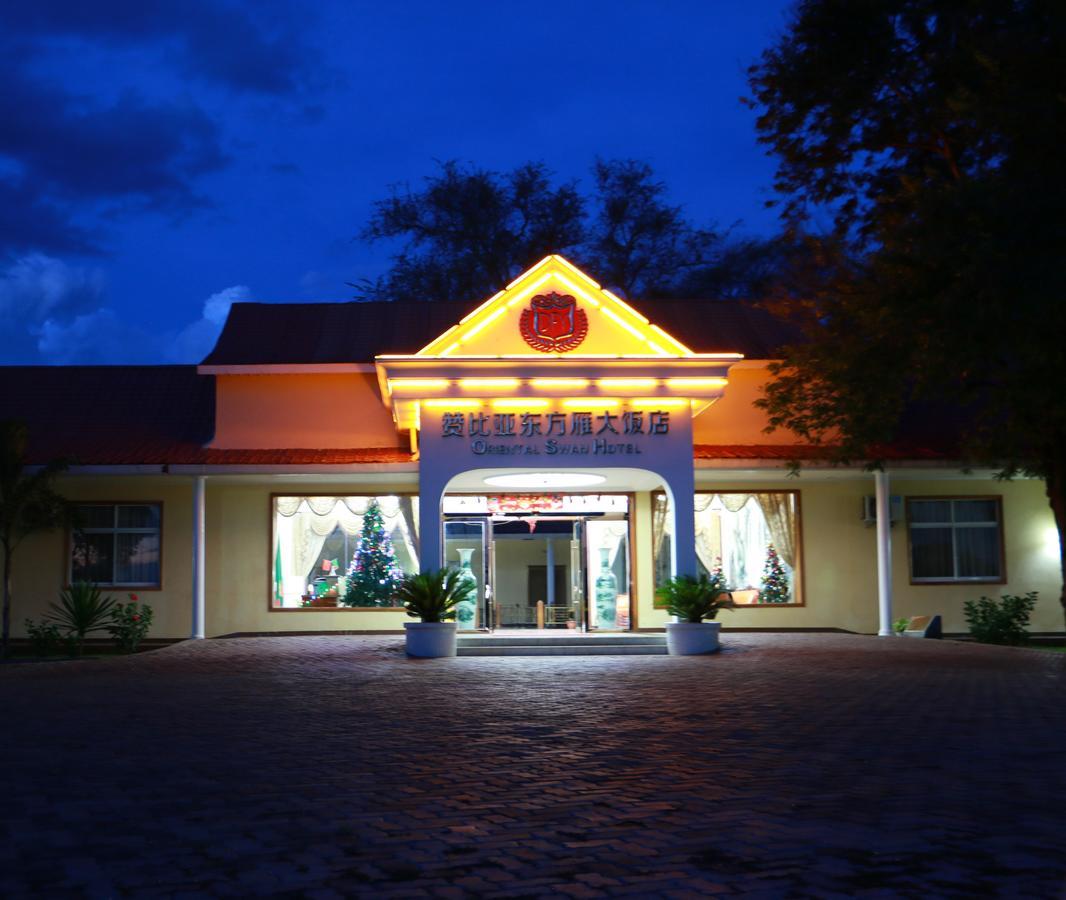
pixel 160 160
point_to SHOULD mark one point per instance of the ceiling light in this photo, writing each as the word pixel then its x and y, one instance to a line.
pixel 545 480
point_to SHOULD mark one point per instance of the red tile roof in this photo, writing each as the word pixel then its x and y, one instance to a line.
pixel 305 456
pixel 109 414
pixel 806 452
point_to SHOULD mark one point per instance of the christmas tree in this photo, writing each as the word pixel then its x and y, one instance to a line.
pixel 373 574
pixel 718 574
pixel 774 578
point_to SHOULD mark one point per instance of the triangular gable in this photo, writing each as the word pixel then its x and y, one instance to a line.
pixel 593 323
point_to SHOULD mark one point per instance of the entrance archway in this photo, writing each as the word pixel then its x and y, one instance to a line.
pixel 544 561
pixel 437 481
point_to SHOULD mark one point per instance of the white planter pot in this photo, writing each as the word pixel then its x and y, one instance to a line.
pixel 692 638
pixel 430 640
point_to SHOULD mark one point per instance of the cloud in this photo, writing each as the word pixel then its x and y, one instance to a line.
pixel 257 47
pixel 71 154
pixel 99 337
pixel 36 287
pixel 57 313
pixel 195 341
pixel 66 155
pixel 69 149
pixel 28 222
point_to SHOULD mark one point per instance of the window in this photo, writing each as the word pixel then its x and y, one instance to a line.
pixel 333 552
pixel 955 539
pixel 751 538
pixel 116 544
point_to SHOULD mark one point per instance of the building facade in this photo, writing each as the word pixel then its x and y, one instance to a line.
pixel 564 448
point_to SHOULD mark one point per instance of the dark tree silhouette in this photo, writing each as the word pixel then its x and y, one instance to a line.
pixel 470 231
pixel 930 134
pixel 639 244
pixel 28 504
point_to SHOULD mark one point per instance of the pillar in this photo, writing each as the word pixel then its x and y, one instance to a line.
pixel 549 567
pixel 884 554
pixel 430 495
pixel 199 548
pixel 681 488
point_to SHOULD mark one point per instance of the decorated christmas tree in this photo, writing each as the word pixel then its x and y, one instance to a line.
pixel 718 574
pixel 373 573
pixel 774 578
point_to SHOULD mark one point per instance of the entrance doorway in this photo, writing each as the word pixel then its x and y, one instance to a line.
pixel 543 563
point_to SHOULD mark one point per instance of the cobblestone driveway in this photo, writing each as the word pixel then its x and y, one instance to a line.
pixel 788 765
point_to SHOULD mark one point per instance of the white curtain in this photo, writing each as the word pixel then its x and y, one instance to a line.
pixel 744 545
pixel 779 510
pixel 708 538
pixel 737 527
pixel 660 513
pixel 309 521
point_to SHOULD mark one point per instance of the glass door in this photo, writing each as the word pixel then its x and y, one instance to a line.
pixel 608 578
pixel 466 547
pixel 577 575
pixel 490 608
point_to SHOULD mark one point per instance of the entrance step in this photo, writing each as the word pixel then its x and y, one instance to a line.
pixel 539 644
pixel 545 639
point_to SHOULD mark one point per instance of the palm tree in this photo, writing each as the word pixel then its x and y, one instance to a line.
pixel 28 504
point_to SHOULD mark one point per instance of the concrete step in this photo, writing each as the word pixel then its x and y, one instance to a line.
pixel 540 643
pixel 539 639
pixel 568 648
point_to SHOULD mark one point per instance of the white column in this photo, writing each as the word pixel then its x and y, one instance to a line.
pixel 681 487
pixel 550 569
pixel 430 495
pixel 884 554
pixel 199 546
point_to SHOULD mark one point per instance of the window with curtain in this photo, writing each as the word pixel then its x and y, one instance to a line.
pixel 341 551
pixel 955 539
pixel 752 539
pixel 116 544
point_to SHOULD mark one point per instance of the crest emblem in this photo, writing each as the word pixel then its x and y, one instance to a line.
pixel 553 324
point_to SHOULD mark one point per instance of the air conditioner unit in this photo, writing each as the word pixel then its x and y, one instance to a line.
pixel 869 510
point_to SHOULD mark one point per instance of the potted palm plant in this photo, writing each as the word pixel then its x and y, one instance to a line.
pixel 432 597
pixel 692 601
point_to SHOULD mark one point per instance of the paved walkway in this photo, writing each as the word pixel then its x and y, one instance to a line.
pixel 789 765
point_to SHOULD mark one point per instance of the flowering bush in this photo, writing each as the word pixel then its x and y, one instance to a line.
pixel 130 623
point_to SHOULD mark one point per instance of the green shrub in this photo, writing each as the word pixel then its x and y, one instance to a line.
pixel 81 609
pixel 694 599
pixel 1002 621
pixel 433 596
pixel 900 625
pixel 44 636
pixel 130 623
